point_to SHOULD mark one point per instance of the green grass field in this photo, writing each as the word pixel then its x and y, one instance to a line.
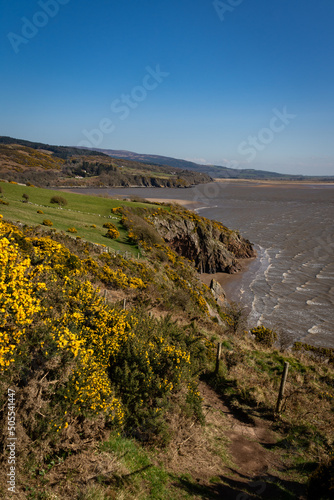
pixel 81 212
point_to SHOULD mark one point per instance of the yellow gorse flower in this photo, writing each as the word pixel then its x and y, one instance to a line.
pixel 18 301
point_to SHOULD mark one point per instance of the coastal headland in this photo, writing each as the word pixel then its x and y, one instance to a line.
pixel 108 345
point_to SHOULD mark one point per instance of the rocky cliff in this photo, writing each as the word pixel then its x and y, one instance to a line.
pixel 212 246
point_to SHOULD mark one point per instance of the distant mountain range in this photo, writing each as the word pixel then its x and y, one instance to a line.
pixel 215 171
pixel 63 164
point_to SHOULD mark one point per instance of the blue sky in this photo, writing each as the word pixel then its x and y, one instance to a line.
pixel 244 83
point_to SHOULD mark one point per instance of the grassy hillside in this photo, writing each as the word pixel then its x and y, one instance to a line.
pixel 19 158
pixel 81 212
pixel 50 166
pixel 112 362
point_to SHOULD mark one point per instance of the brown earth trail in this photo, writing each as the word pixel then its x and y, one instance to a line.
pixel 231 458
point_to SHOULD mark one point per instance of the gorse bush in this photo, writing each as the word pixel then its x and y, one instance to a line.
pixel 18 300
pixel 47 222
pixel 109 225
pixel 59 200
pixel 114 367
pixel 264 335
pixel 112 233
pixel 153 364
pixel 234 316
pixel 72 230
pixel 140 230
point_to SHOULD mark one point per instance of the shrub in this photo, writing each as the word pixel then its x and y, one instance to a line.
pixel 153 364
pixel 264 335
pixel 40 212
pixel 29 184
pixel 72 230
pixel 25 198
pixel 112 233
pixel 321 353
pixel 58 200
pixel 109 225
pixel 12 182
pixel 141 231
pixel 179 298
pixel 138 199
pixel 117 210
pixel 2 202
pixel 234 316
pixel 93 226
pixel 47 222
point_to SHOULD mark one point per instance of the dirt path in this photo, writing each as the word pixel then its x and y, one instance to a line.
pixel 249 456
pixel 230 459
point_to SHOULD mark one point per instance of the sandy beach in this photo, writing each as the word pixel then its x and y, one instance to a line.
pixel 191 205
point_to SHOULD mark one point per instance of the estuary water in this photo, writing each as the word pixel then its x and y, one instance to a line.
pixel 290 286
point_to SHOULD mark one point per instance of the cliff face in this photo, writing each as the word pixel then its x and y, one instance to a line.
pixel 212 246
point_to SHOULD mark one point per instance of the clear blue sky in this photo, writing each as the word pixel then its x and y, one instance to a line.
pixel 238 82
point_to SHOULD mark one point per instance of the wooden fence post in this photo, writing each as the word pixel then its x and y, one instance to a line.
pixel 124 303
pixel 282 386
pixel 219 350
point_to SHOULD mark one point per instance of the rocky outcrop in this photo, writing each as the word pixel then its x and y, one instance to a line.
pixel 218 293
pixel 213 247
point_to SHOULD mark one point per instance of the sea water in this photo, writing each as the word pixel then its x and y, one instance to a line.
pixel 290 286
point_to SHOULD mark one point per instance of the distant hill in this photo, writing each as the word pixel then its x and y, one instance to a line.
pixel 49 165
pixel 63 152
pixel 60 166
pixel 215 171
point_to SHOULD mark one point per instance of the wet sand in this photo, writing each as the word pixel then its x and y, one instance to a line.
pixel 234 283
pixel 227 280
pixel 191 205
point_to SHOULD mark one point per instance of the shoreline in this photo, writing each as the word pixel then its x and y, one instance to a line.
pixel 226 278
pixel 184 203
pixel 276 183
pixel 231 283
pixel 246 286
